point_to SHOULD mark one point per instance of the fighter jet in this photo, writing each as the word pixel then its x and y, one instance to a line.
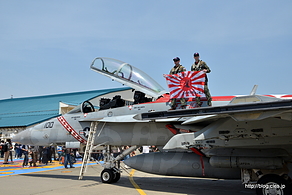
pixel 116 125
pixel 237 136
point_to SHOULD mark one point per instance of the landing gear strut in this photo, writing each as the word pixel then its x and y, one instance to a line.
pixel 112 171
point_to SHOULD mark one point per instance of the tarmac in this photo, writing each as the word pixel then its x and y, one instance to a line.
pixel 55 179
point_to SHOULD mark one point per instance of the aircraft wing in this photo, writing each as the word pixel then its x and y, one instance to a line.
pixel 127 119
pixel 239 112
pixel 127 75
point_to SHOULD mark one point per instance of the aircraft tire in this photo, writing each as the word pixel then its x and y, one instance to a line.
pixel 107 176
pixel 117 177
pixel 266 183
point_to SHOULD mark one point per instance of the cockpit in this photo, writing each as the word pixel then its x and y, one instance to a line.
pixel 146 89
pixel 117 101
pixel 85 107
pixel 106 103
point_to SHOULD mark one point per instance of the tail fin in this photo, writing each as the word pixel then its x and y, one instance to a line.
pixel 254 90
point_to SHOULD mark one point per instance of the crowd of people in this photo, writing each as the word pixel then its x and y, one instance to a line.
pixel 115 152
pixel 32 155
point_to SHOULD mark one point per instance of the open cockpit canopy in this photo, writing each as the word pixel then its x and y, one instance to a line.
pixel 127 75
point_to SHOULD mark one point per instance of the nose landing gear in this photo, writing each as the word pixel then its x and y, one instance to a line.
pixel 112 171
pixel 110 176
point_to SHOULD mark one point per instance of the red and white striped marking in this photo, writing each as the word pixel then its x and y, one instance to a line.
pixel 70 129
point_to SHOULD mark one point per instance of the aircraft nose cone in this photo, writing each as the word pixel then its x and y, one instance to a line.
pixel 23 137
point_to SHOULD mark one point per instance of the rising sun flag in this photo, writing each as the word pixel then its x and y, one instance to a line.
pixel 188 84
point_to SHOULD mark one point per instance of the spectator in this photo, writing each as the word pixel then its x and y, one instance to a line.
pixel 100 156
pixel 45 155
pixel 17 149
pixel 10 148
pixel 2 148
pixel 154 149
pixel 34 155
pixel 53 152
pixel 49 153
pixel 7 148
pixel 68 158
pixel 40 151
pixel 125 148
pixel 59 152
pixel 25 152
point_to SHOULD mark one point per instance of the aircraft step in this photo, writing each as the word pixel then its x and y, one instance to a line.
pixel 88 149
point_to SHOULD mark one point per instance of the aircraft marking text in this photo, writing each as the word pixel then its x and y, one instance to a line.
pixel 49 125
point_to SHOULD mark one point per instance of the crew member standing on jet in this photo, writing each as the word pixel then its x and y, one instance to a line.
pixel 200 65
pixel 178 68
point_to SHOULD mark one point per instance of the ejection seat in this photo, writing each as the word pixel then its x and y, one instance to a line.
pixel 87 107
pixel 139 97
pixel 106 103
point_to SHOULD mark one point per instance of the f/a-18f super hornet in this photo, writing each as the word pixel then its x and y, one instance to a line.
pixel 239 136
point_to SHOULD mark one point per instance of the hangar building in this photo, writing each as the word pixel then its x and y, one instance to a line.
pixel 17 114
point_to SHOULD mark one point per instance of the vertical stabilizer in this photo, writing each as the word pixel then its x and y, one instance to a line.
pixel 254 90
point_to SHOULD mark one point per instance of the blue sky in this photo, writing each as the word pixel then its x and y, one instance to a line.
pixel 46 47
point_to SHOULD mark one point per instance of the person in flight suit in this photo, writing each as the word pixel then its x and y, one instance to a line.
pixel 178 68
pixel 200 65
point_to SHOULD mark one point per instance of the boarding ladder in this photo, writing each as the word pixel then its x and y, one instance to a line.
pixel 89 147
